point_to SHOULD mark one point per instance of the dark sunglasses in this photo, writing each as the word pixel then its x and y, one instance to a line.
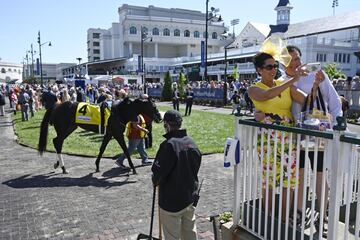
pixel 270 67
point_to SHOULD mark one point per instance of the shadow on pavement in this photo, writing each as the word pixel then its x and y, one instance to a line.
pixel 60 180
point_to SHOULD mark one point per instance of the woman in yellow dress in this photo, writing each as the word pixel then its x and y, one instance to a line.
pixel 274 98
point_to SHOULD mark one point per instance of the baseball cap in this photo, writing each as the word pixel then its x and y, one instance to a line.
pixel 172 116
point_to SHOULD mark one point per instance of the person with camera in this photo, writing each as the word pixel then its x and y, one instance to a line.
pixel 175 171
pixel 316 83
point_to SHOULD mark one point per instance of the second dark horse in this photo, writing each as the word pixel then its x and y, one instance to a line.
pixel 62 117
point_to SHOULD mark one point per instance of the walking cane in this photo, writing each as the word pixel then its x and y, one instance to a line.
pixel 160 227
pixel 150 237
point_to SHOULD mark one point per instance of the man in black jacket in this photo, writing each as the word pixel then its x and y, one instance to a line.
pixel 175 170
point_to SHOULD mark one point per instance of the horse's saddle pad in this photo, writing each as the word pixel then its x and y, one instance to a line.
pixel 90 114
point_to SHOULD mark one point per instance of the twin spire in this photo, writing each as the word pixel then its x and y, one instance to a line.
pixel 283 12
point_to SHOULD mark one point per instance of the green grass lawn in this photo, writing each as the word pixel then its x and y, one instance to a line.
pixel 209 131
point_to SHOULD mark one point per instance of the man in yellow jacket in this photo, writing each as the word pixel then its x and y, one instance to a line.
pixel 136 132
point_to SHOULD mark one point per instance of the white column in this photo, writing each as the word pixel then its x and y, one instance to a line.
pixel 130 49
pixel 156 50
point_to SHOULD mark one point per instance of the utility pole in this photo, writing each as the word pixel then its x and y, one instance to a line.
pixel 32 60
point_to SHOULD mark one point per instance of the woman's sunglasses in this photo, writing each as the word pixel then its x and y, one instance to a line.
pixel 270 67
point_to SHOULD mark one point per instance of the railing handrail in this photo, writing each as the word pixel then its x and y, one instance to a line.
pixel 251 122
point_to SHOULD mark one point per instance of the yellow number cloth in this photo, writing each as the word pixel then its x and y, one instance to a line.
pixel 90 114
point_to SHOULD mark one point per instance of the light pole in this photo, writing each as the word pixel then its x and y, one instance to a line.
pixel 233 23
pixel 40 44
pixel 27 66
pixel 32 60
pixel 225 76
pixel 144 37
pixel 79 59
pixel 334 5
pixel 212 15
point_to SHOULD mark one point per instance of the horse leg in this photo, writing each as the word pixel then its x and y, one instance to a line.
pixel 58 143
pixel 121 141
pixel 104 143
pixel 58 146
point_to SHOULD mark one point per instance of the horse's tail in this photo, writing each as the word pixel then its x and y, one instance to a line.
pixel 44 131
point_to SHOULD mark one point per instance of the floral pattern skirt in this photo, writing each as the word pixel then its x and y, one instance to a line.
pixel 270 156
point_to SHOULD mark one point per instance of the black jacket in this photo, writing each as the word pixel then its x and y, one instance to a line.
pixel 175 169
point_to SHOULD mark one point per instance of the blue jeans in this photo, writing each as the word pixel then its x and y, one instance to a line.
pixel 25 112
pixel 135 144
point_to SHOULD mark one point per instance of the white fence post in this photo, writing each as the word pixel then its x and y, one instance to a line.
pixel 335 187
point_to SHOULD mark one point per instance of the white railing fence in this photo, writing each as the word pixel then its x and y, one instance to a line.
pixel 268 206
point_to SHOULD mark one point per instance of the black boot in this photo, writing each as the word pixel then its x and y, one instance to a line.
pixel 56 165
pixel 64 170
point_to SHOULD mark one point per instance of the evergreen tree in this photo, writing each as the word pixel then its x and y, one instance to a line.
pixel 167 91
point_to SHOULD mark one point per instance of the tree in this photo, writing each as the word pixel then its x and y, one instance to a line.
pixel 181 85
pixel 333 72
pixel 30 80
pixel 167 91
pixel 235 73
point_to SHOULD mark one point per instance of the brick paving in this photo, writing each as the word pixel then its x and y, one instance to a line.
pixel 38 202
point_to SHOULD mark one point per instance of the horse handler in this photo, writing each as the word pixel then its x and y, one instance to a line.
pixel 175 171
pixel 136 132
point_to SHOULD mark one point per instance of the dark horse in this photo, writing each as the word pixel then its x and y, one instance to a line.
pixel 62 117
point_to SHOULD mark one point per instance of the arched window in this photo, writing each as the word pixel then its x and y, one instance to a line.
pixel 3 70
pixel 177 33
pixel 186 33
pixel 133 30
pixel 9 69
pixel 214 35
pixel 166 32
pixel 155 31
pixel 196 34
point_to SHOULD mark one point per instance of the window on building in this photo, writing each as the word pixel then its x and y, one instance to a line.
pixel 133 30
pixel 96 58
pixel 186 33
pixel 177 33
pixel 96 51
pixel 155 31
pixel 204 34
pixel 214 35
pixel 3 70
pixel 96 35
pixel 196 34
pixel 321 57
pixel 348 58
pixel 335 57
pixel 9 69
pixel 192 45
pixel 166 32
pixel 344 58
pixel 96 44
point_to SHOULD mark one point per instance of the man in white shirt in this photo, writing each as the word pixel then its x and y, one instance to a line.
pixel 333 106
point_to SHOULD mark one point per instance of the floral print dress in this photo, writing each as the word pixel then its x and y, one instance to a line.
pixel 277 111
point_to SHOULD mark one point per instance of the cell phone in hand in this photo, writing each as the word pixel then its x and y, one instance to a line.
pixel 313 67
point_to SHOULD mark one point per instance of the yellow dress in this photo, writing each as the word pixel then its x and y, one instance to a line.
pixel 278 111
pixel 280 105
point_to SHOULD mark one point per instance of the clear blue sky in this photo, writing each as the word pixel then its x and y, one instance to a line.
pixel 65 22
